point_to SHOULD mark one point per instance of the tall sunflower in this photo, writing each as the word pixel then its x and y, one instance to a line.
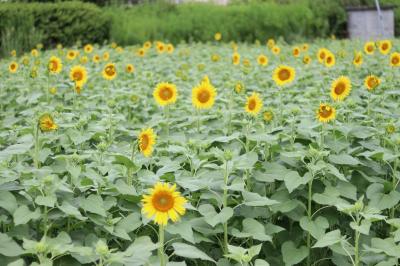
pixel 147 45
pixel 163 203
pixel 218 36
pixel 395 59
pixel 109 71
pixel 340 88
pixel 72 54
pixel 306 59
pixel 160 47
pixel 369 48
pixel 330 59
pixel 296 51
pixel 283 75
pixel 270 43
pixel 141 52
pixel 106 56
pixel 46 123
pixel 371 82
pixel 203 95
pixel 88 48
pixel 129 68
pixel 55 65
pixel 253 104
pixel 385 46
pixel 170 48
pixel 165 93
pixel 262 60
pixel 78 74
pixel 13 67
pixel 321 54
pixel 147 139
pixel 326 113
pixel 276 50
pixel 236 58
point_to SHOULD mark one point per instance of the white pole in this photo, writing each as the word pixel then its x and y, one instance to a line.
pixel 378 7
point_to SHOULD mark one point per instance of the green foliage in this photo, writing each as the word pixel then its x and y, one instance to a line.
pixel 23 25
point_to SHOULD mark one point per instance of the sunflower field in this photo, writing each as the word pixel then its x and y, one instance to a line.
pixel 201 154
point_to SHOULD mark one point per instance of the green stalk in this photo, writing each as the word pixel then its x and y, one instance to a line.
pixel 225 204
pixel 198 121
pixel 161 253
pixel 167 120
pixel 36 153
pixel 309 214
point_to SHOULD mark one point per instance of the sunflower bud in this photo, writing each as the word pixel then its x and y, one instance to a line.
pixel 40 247
pixel 102 248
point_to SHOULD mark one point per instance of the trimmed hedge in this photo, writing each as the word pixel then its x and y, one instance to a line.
pixel 51 23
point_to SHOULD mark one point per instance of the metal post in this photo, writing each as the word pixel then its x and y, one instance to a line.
pixel 378 7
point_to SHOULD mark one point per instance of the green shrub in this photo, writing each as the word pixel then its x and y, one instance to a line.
pixel 199 22
pixel 64 22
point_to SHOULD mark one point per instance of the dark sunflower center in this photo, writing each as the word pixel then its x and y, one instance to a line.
pixel 166 93
pixel 372 82
pixel 204 96
pixel 110 70
pixel 144 142
pixel 163 201
pixel 325 112
pixel 395 60
pixel 385 46
pixel 370 48
pixel 284 74
pixel 322 55
pixel 78 76
pixel 53 65
pixel 340 88
pixel 13 66
pixel 252 104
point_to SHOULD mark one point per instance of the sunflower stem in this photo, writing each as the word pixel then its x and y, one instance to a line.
pixel 167 120
pixel 161 253
pixel 198 121
pixel 36 153
pixel 309 214
pixel 225 204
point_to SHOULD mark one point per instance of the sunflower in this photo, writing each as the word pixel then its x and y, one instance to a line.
pixel 109 71
pixel 78 88
pixel 268 116
pixel 96 58
pixel 25 60
pixel 246 62
pixel 84 59
pixel 53 90
pixel 13 67
pixel 119 49
pixel 395 59
pixel 321 54
pixel 170 48
pixel 59 46
pixel 276 50
pixel 163 203
pixel 215 58
pixel 340 88
pixel 369 48
pixel 147 139
pixel 106 56
pixel 88 48
pixel 147 45
pixel 357 61
pixel 13 53
pixel 203 95
pixel 71 54
pixel 141 52
pixel 160 47
pixel 165 93
pixel 305 47
pixel 78 74
pixel 306 59
pixel 371 82
pixel 296 51
pixel 55 65
pixel 326 113
pixel 262 60
pixel 114 45
pixel 129 68
pixel 283 75
pixel 236 58
pixel 46 123
pixel 239 87
pixel 330 59
pixel 218 36
pixel 385 46
pixel 270 43
pixel 253 104
pixel 34 52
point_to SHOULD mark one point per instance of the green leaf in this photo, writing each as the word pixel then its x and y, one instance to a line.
pixel 293 180
pixel 343 159
pixel 292 255
pixel 329 239
pixel 363 228
pixel 8 247
pixel 255 229
pixel 93 204
pixel 254 199
pixel 221 217
pixel 316 228
pixel 191 252
pixel 22 215
pixel 48 201
pixel 184 229
pixel 71 210
pixel 8 201
pixel 140 251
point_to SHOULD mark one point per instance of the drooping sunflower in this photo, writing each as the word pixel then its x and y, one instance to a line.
pixel 321 54
pixel 71 54
pixel 340 88
pixel 109 71
pixel 203 95
pixel 239 87
pixel 170 48
pixel 296 51
pixel 326 113
pixel 46 123
pixel 218 36
pixel 129 68
pixel 106 56
pixel 262 60
pixel 253 104
pixel 306 59
pixel 371 82
pixel 369 48
pixel 330 59
pixel 395 59
pixel 55 65
pixel 276 50
pixel 236 59
pixel 385 46
pixel 141 52
pixel 284 75
pixel 163 203
pixel 215 57
pixel 268 116
pixel 53 90
pixel 165 93
pixel 13 67
pixel 246 62
pixel 88 48
pixel 78 74
pixel 147 139
pixel 358 59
